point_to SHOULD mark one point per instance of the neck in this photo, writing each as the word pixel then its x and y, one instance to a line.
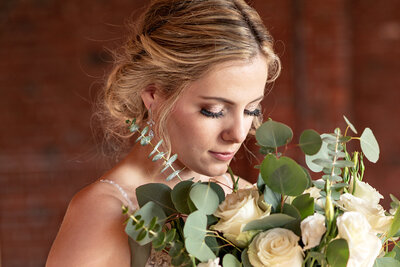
pixel 137 164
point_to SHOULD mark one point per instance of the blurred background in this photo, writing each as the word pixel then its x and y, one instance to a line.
pixel 339 57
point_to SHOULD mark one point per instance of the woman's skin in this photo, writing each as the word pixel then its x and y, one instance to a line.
pixel 208 124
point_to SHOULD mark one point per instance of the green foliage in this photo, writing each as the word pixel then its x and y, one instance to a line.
pixel 245 259
pixel 386 262
pixel 283 175
pixel 304 204
pixel 180 196
pixel 338 253
pixel 369 145
pixel 158 193
pixel 395 226
pixel 271 198
pixel 310 142
pixel 269 222
pixel 147 213
pixel 350 125
pixel 272 134
pixel 230 261
pixel 204 198
pixel 196 225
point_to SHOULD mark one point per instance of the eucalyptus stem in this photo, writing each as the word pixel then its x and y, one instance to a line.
pixel 144 227
pixel 158 151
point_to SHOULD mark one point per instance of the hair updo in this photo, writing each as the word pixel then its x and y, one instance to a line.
pixel 173 43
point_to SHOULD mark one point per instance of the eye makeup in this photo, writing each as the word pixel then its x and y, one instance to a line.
pixel 219 114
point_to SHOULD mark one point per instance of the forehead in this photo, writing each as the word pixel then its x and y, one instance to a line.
pixel 235 80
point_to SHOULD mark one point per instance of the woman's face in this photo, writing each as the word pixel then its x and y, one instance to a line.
pixel 214 114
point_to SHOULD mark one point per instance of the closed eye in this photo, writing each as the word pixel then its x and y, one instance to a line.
pixel 254 113
pixel 210 114
pixel 220 114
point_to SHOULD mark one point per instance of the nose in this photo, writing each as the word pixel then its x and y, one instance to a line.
pixel 236 131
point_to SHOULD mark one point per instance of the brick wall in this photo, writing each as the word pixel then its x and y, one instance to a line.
pixel 339 57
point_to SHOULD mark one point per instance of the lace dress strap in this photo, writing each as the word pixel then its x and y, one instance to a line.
pixel 121 190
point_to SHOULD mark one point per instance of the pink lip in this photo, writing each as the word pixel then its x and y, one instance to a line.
pixel 223 156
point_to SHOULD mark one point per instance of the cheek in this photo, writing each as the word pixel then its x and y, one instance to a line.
pixel 191 132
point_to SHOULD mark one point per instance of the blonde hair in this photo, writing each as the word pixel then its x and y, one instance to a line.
pixel 173 43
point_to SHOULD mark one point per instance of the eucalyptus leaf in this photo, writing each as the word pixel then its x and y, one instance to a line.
pixel 162 197
pixel 271 197
pixel 180 195
pixel 350 125
pixel 147 213
pixel 217 189
pixel 245 258
pixel 271 221
pixel 396 250
pixel 273 134
pixel 204 198
pixel 386 262
pixel 196 225
pixel 199 249
pixel 156 148
pixel 145 130
pixel 369 145
pixel 158 156
pixel 322 154
pixel 145 140
pixel 325 163
pixel 171 159
pixel 304 204
pixel 230 261
pixel 283 175
pixel 335 148
pixel 310 142
pixel 260 183
pixel 320 184
pixel 212 243
pixel 337 253
pixel 395 226
pixel 133 128
pixel 173 175
pixel 176 249
pixel 292 211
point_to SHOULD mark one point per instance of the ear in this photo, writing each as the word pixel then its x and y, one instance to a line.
pixel 151 96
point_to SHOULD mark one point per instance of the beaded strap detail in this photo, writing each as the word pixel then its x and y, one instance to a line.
pixel 121 190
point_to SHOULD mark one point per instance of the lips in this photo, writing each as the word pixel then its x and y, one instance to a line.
pixel 222 156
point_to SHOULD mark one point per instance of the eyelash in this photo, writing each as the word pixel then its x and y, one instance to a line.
pixel 216 115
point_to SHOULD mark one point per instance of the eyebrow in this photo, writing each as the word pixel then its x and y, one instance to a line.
pixel 221 99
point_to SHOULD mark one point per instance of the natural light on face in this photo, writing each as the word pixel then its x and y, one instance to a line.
pixel 214 115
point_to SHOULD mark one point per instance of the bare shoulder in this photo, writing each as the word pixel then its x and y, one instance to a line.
pixel 92 232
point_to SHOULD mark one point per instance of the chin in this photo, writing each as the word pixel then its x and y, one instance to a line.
pixel 214 171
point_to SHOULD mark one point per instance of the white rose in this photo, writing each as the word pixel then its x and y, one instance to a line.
pixel 210 263
pixel 312 229
pixel 236 211
pixel 277 247
pixel 374 213
pixel 364 245
pixel 365 191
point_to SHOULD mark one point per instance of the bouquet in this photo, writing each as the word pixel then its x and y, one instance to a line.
pixel 286 219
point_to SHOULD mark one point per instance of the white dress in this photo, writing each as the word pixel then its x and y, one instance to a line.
pixel 157 258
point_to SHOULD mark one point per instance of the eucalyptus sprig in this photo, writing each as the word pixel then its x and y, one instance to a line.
pixel 145 138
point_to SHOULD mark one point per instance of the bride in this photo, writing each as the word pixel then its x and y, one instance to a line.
pixel 195 71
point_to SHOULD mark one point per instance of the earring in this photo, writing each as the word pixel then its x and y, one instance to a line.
pixel 150 123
